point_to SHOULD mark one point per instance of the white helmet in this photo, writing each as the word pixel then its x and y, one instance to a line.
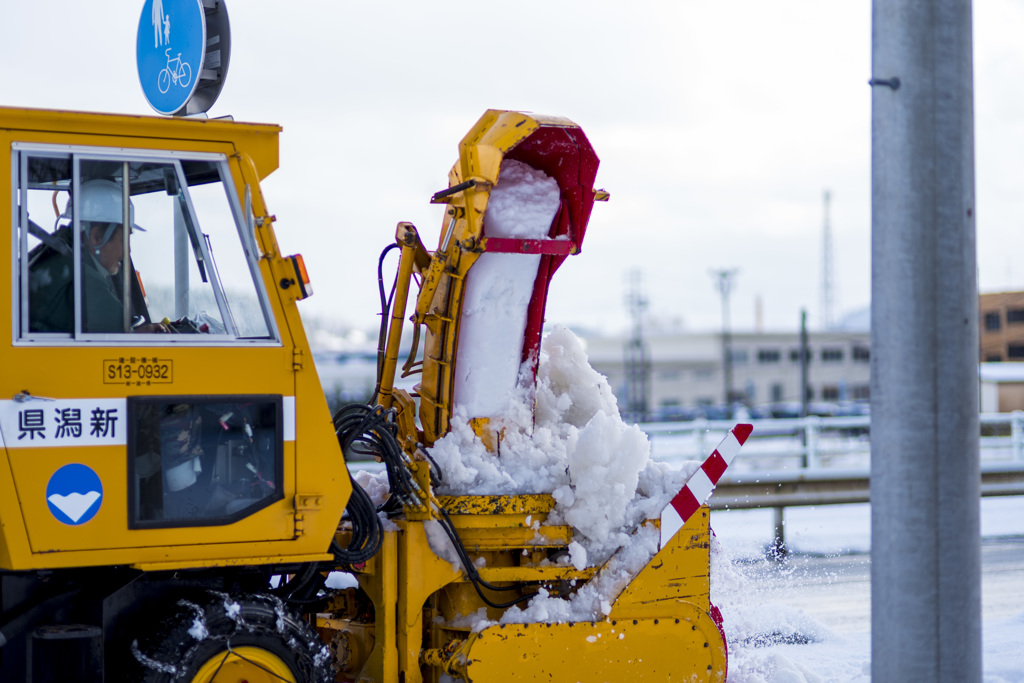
pixel 100 201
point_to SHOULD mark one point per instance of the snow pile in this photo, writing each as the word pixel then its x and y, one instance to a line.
pixel 576 447
pixel 375 484
pixel 561 432
pixel 498 291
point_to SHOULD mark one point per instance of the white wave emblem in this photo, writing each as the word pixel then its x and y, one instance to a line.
pixel 74 505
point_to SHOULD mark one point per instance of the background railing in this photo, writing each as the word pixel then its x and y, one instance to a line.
pixel 814 443
pixel 821 460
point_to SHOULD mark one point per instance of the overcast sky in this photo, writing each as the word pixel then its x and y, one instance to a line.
pixel 719 126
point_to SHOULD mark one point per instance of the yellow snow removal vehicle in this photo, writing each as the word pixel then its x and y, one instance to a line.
pixel 175 503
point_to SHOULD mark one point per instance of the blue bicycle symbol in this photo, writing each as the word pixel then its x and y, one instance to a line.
pixel 176 70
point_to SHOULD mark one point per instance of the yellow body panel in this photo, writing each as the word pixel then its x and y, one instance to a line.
pixel 315 484
pixel 684 647
pixel 257 140
pixel 680 575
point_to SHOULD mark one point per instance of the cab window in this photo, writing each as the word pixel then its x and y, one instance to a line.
pixel 202 461
pixel 110 245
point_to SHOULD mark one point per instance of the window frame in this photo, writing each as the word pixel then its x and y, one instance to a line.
pixel 21 153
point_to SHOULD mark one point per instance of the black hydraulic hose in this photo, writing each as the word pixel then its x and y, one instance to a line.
pixel 385 308
pixel 367 532
pixel 471 572
pixel 298 582
pixel 371 430
pixel 307 595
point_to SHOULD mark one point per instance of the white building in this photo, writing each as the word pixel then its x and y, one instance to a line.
pixel 687 370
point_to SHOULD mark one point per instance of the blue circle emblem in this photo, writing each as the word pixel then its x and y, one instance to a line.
pixel 74 494
pixel 169 51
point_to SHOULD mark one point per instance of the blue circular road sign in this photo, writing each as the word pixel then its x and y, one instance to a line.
pixel 169 51
pixel 74 494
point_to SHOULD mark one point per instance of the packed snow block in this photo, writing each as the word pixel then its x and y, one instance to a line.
pixel 499 288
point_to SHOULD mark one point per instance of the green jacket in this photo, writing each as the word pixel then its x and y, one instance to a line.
pixel 52 295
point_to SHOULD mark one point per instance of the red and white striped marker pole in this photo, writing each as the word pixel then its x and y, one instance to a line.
pixel 701 483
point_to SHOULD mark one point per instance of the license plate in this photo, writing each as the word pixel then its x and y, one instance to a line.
pixel 138 371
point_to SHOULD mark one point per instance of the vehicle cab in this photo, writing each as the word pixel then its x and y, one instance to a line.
pixel 156 376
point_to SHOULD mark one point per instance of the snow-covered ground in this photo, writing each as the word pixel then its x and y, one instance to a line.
pixel 808 619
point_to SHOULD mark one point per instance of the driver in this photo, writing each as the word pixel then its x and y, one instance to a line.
pixel 51 281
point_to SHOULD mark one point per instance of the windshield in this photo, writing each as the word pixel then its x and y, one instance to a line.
pixel 183 265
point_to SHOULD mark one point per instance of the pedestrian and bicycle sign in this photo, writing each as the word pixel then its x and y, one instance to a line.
pixel 181 51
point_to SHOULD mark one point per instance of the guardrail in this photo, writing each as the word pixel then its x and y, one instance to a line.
pixel 821 461
pixel 747 491
pixel 815 442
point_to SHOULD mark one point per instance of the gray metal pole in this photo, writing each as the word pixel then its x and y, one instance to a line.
pixel 925 541
pixel 805 361
pixel 723 281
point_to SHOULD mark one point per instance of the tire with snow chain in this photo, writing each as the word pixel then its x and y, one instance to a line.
pixel 216 637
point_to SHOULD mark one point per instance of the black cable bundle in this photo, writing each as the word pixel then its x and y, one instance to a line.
pixel 367 533
pixel 385 308
pixel 302 591
pixel 370 431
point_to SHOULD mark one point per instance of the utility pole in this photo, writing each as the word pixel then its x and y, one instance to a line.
pixel 827 279
pixel 925 475
pixel 637 366
pixel 723 279
pixel 805 360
